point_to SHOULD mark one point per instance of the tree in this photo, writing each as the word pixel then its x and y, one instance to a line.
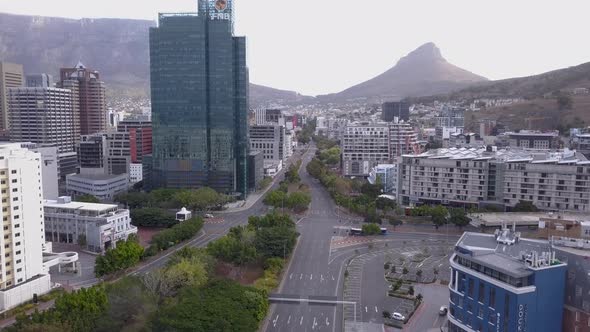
pixel 275 198
pixel 371 229
pixel 152 217
pixel 221 305
pixel 439 215
pixel 458 217
pixel 405 271
pixel 299 201
pixel 565 102
pixel 386 314
pixel 411 290
pixel 525 206
pixel 130 306
pixel 419 273
pixel 202 199
pixel 87 199
pixel 125 255
pixel 292 174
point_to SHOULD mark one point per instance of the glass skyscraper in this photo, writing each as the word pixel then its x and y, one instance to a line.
pixel 199 91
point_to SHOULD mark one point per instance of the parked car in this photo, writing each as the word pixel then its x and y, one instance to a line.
pixel 398 316
pixel 443 310
pixel 208 215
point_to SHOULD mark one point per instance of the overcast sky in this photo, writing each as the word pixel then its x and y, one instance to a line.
pixel 317 47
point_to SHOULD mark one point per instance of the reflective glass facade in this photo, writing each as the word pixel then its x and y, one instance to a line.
pixel 199 90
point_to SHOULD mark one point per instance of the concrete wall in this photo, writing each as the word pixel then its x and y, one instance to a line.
pixel 13 297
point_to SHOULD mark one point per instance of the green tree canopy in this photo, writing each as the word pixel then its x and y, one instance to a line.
pixel 371 229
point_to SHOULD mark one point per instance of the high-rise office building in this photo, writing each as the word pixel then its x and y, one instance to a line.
pixel 392 110
pixel 199 91
pixel 42 114
pixel 22 242
pixel 11 76
pixel 89 97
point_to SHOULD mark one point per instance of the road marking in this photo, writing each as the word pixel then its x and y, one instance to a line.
pixel 366 310
pixel 332 278
pixel 274 322
pixel 301 321
pixel 327 322
pixel 301 276
pixel 376 309
pixel 289 320
pixel 315 323
pixel 311 277
pixel 290 276
pixel 321 277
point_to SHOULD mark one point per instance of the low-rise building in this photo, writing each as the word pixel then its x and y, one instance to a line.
pixel 553 181
pixel 135 172
pixel 502 282
pixel 536 140
pixel 386 175
pixel 103 187
pixel 99 225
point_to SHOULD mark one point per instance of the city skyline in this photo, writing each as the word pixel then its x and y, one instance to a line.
pixel 324 52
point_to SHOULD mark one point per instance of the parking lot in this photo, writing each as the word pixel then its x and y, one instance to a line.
pixel 366 283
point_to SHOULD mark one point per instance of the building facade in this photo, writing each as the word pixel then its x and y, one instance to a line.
pixel 392 110
pixel 255 170
pixel 554 181
pixel 502 282
pixel 104 187
pixel 364 146
pixel 528 139
pixel 45 115
pixel 386 175
pixel 11 76
pixel 23 236
pixel 270 140
pixel 100 225
pixel 89 97
pixel 140 138
pixel 199 91
pixel 106 153
pixel 403 139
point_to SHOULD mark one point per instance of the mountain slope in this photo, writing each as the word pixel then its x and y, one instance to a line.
pixel 118 48
pixel 422 72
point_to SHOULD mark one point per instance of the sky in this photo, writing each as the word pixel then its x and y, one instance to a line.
pixel 317 47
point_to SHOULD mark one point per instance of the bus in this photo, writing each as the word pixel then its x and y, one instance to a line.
pixel 359 231
pixel 355 231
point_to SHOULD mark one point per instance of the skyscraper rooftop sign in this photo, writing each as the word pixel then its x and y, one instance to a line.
pixel 220 9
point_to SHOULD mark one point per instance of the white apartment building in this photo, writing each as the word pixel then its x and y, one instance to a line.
pixel 22 269
pixel 135 172
pixel 387 176
pixel 103 187
pixel 554 181
pixel 102 225
pixel 364 146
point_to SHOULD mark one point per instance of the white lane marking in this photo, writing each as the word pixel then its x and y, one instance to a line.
pixel 332 278
pixel 301 276
pixel 321 277
pixel 289 320
pixel 290 276
pixel 315 323
pixel 366 310
pixel 327 322
pixel 376 309
pixel 311 277
pixel 301 321
pixel 274 322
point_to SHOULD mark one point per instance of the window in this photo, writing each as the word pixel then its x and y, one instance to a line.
pixel 480 294
pixel 19 270
pixel 14 180
pixel 492 297
pixel 470 288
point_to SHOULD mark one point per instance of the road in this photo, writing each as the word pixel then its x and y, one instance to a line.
pixel 310 272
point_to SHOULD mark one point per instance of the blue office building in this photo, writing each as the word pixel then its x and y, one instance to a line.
pixel 199 92
pixel 503 283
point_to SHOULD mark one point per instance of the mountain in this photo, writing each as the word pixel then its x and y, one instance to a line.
pixel 118 48
pixel 531 86
pixel 422 72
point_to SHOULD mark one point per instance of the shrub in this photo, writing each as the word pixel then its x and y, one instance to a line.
pixel 178 233
pixel 152 217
